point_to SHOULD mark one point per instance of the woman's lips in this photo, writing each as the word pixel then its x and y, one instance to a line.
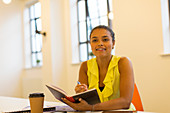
pixel 100 49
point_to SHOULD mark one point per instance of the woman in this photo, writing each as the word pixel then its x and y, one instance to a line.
pixel 111 75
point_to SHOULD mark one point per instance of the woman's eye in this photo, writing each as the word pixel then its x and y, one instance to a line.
pixel 94 40
pixel 105 39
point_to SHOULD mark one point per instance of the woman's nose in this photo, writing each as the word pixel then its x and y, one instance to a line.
pixel 100 43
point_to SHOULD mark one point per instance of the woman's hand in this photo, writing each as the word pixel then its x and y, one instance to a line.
pixel 82 106
pixel 81 88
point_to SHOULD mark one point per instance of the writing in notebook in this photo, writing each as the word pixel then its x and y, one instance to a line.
pixel 90 96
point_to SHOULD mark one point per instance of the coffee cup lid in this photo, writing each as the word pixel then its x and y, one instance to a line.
pixel 36 95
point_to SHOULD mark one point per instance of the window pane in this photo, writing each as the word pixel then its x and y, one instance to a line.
pixel 89 30
pixel 89 27
pixel 39 25
pixel 89 47
pixel 33 44
pixel 38 42
pixel 83 52
pixel 34 59
pixel 39 57
pixel 37 9
pixel 93 8
pixel 90 51
pixel 104 20
pixel 110 5
pixel 95 22
pixel 32 12
pixel 81 12
pixel 82 31
pixel 32 27
pixel 103 10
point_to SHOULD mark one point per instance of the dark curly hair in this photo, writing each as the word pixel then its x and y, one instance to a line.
pixel 106 28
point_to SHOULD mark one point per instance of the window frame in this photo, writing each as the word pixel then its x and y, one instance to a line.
pixel 165 13
pixel 34 34
pixel 30 33
pixel 89 55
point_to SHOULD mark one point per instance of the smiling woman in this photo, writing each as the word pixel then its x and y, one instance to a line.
pixel 111 75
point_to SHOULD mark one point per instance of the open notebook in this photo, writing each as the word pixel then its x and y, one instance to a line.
pixel 90 96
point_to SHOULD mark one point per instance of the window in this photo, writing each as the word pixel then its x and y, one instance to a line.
pixel 36 38
pixel 91 13
pixel 165 26
pixel 33 36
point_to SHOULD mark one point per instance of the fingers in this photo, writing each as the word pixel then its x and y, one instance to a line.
pixel 82 106
pixel 82 101
pixel 68 102
pixel 74 105
pixel 81 88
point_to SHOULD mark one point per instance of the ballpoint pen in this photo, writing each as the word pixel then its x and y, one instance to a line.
pixel 78 82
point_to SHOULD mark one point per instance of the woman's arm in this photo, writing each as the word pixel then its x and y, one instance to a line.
pixel 83 79
pixel 126 88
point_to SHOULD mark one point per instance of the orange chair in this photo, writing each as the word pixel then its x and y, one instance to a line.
pixel 136 100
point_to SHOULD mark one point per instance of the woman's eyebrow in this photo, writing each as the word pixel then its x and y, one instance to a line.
pixel 104 36
pixel 94 37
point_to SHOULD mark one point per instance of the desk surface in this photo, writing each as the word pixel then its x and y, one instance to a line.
pixel 18 104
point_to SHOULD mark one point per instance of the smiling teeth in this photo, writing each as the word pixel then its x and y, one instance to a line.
pixel 100 49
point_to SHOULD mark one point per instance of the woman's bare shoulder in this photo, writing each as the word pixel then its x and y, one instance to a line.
pixel 124 60
pixel 84 66
pixel 83 73
pixel 124 63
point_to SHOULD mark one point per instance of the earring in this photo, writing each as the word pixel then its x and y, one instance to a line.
pixel 112 47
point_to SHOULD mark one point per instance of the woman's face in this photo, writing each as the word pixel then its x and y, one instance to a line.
pixel 101 42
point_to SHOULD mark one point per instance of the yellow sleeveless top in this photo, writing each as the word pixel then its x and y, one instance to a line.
pixel 111 81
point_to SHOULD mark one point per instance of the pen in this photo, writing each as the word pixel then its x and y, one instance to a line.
pixel 78 82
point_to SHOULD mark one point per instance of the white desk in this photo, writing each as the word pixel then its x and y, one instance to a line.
pixel 18 104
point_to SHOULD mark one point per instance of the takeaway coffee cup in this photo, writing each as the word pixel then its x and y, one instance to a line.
pixel 36 102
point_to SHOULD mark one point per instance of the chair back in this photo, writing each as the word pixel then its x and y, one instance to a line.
pixel 136 100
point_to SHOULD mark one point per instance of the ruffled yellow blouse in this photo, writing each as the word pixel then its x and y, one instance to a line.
pixel 111 81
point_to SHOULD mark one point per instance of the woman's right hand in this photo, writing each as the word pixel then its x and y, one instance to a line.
pixel 81 88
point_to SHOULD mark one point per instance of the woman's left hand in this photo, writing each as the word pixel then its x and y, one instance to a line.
pixel 82 106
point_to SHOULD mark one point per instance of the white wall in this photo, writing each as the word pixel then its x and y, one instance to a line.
pixel 139 36
pixel 54 55
pixel 15 80
pixel 11 49
pixel 54 69
pixel 71 32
